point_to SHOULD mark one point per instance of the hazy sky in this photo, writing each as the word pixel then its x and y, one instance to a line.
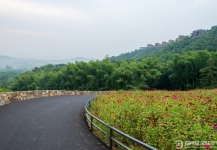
pixel 93 28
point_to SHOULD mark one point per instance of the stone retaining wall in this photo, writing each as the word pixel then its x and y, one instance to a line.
pixel 9 97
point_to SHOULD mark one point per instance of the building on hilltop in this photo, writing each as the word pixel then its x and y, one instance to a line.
pixel 198 33
pixel 150 46
pixel 158 45
pixel 180 38
pixel 171 41
pixel 164 43
pixel 195 34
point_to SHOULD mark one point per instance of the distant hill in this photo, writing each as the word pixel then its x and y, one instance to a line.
pixel 30 63
pixel 3 57
pixel 188 43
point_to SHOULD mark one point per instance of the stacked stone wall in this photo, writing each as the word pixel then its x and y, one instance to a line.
pixel 9 97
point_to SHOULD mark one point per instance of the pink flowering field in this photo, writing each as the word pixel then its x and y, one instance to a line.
pixel 159 118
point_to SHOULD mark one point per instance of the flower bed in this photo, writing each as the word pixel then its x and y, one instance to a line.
pixel 160 118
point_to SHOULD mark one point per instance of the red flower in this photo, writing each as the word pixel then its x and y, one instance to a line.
pixel 210 124
pixel 212 116
pixel 215 127
pixel 135 144
pixel 203 120
pixel 167 115
pixel 190 103
pixel 118 101
pixel 195 108
pixel 207 146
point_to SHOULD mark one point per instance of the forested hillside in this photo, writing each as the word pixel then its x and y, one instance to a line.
pixel 134 54
pixel 208 42
pixel 188 64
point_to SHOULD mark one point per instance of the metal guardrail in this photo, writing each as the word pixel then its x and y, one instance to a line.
pixel 112 129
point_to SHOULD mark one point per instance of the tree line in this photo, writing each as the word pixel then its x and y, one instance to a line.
pixel 194 69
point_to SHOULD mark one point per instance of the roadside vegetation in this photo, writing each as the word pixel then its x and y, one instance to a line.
pixel 5 90
pixel 159 118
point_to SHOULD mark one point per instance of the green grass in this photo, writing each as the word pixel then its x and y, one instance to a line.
pixel 5 90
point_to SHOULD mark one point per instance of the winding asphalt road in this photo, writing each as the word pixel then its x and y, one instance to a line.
pixel 53 123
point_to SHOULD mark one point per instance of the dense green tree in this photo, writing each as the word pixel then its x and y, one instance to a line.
pixel 32 86
pixel 208 74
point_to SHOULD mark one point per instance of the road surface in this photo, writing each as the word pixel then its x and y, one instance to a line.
pixel 53 123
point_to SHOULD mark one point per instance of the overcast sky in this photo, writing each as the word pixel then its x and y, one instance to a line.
pixel 57 29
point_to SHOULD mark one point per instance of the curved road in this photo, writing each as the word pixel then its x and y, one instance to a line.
pixel 53 123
